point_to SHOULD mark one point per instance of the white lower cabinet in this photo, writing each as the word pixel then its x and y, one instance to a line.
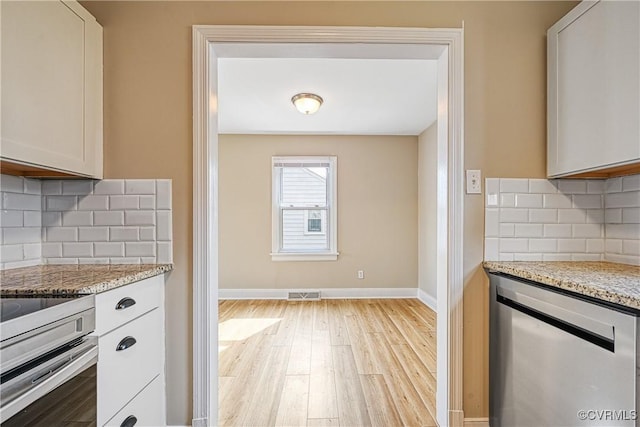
pixel 130 330
pixel 143 409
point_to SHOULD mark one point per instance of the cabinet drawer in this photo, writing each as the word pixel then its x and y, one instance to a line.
pixel 123 373
pixel 121 305
pixel 146 409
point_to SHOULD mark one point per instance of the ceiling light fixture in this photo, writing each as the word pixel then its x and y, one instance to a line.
pixel 307 103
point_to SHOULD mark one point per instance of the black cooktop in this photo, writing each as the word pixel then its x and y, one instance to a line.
pixel 14 307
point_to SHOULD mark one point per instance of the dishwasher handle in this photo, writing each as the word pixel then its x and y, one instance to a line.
pixel 606 341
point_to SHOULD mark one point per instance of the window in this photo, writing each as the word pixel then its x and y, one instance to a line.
pixel 304 217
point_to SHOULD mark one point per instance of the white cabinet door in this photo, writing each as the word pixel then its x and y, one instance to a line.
pixel 52 86
pixel 594 88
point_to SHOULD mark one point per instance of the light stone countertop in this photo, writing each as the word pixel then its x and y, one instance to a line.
pixel 75 279
pixel 606 281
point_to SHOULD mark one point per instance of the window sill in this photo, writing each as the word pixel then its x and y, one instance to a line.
pixel 325 256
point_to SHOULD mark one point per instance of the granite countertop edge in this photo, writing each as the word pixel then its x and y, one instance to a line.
pixel 605 281
pixel 41 286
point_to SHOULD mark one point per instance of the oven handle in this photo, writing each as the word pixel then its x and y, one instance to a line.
pixel 85 355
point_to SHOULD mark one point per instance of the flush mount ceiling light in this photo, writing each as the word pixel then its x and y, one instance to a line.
pixel 307 103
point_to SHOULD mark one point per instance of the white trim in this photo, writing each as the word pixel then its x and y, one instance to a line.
pixel 428 300
pixel 325 293
pixel 450 195
pixel 304 256
pixel 476 422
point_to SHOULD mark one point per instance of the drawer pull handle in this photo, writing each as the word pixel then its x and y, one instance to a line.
pixel 130 421
pixel 125 343
pixel 125 303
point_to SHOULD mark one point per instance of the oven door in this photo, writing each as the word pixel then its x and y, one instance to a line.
pixel 58 388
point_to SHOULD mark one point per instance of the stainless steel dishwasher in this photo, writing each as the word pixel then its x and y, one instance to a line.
pixel 559 360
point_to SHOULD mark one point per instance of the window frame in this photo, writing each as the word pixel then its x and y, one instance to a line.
pixel 330 224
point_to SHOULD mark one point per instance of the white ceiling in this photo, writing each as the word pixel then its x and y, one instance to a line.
pixel 388 95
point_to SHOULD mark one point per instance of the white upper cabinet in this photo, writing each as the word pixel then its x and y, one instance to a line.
pixel 51 87
pixel 593 104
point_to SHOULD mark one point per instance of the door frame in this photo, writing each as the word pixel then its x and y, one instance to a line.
pixel 450 197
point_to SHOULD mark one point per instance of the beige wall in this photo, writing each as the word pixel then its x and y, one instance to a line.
pixel 377 212
pixel 148 128
pixel 427 212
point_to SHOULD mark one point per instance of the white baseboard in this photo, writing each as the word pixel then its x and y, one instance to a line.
pixel 325 293
pixel 476 422
pixel 428 300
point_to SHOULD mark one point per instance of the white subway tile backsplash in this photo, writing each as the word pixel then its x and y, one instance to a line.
pixel 595 216
pixel 528 200
pixel 572 186
pixel 491 249
pixel 24 202
pixel 543 186
pixel 543 245
pixel 491 222
pixel 508 200
pixel 624 259
pixel 595 246
pixel 77 218
pixel 141 249
pixel 84 221
pixel 613 185
pixel 557 230
pixel 596 186
pixel 140 218
pixel 631 215
pixel 108 218
pixel 20 235
pixel 32 186
pixel 12 184
pixel 513 245
pixel 588 230
pixel 139 186
pixel 528 230
pixel 109 187
pixel 124 234
pixel 108 249
pixel 77 250
pixel 93 234
pixel 12 218
pixel 556 257
pixel 588 201
pixel 613 216
pixel 543 216
pixel 507 230
pixel 613 246
pixel 124 202
pixel 147 202
pixel 556 201
pixel 507 257
pixel 32 218
pixel 77 187
pixel 572 245
pixel 514 185
pixel 61 234
pixel 572 216
pixel 93 203
pixel 586 257
pixel 51 187
pixel 631 183
pixel 147 234
pixel 622 231
pixel 631 247
pixel 163 194
pixel 630 199
pixel 52 250
pixel 514 215
pixel 527 257
pixel 60 203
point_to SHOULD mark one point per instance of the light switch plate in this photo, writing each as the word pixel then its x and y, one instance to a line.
pixel 474 184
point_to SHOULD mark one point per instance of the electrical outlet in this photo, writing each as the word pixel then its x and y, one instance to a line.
pixel 360 274
pixel 474 184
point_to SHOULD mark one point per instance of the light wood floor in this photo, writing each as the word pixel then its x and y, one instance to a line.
pixel 327 363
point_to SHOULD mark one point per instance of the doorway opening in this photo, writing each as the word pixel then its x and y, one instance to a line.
pixel 213 42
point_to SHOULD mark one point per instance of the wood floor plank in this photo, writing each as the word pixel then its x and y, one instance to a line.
pixel 294 401
pixel 323 422
pixel 352 406
pixel 380 405
pixel 351 363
